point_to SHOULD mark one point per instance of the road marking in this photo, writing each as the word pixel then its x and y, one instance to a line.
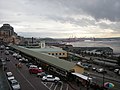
pixel 24 77
pixel 51 85
pixel 45 85
pixel 55 87
pixel 61 86
pixel 67 87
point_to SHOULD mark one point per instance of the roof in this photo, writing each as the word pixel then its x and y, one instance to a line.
pixel 81 76
pixel 47 49
pixel 54 61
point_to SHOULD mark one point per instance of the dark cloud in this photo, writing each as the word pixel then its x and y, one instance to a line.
pixel 27 13
pixel 100 9
pixel 103 9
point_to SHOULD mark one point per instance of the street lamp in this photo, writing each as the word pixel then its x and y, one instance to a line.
pixel 103 76
pixel 103 68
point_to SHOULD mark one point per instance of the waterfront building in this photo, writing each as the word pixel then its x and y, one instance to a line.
pixel 53 51
pixel 93 50
pixel 50 50
pixel 54 64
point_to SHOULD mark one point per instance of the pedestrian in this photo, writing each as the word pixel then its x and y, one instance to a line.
pixel 16 64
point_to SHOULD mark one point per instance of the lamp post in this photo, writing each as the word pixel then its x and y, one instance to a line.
pixel 103 69
pixel 103 76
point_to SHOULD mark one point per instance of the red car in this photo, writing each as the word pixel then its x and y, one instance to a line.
pixel 35 70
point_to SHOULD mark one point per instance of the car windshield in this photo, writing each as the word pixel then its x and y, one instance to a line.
pixel 14 82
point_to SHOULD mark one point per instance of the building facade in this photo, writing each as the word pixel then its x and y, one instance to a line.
pixel 7 35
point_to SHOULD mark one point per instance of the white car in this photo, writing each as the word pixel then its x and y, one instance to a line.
pixel 101 70
pixel 50 78
pixel 14 54
pixel 116 70
pixel 14 84
pixel 10 76
pixel 33 66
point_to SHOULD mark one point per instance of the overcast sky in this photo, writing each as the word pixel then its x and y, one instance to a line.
pixel 62 18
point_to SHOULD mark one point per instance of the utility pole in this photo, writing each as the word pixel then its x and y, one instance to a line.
pixel 103 69
pixel 88 82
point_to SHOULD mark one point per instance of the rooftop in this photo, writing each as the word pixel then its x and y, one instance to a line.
pixel 47 49
pixel 54 61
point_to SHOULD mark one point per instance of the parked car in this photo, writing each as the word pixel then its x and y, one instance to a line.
pixel 35 70
pixel 116 70
pixel 3 62
pixel 23 60
pixel 33 66
pixel 10 76
pixel 50 78
pixel 2 47
pixel 14 84
pixel 7 48
pixel 94 69
pixel 41 74
pixel 6 52
pixel 28 64
pixel 18 56
pixel 101 70
pixel 14 54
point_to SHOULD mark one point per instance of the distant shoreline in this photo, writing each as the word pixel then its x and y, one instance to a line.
pixel 115 45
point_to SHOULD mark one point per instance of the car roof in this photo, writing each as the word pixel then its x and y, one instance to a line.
pixel 33 66
pixel 49 75
pixel 9 73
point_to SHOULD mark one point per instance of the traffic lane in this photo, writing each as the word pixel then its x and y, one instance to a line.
pixel 33 83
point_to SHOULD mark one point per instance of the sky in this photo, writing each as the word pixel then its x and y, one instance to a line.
pixel 62 18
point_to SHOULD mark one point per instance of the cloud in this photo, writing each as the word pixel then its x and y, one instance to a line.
pixel 49 17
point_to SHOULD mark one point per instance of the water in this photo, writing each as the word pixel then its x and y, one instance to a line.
pixel 115 45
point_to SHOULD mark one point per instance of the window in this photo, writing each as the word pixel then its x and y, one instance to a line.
pixel 63 53
pixel 52 53
pixel 59 53
pixel 56 53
